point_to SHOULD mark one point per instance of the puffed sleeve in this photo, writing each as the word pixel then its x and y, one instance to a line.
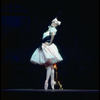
pixel 53 30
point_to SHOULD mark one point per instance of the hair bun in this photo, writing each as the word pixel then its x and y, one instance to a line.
pixel 56 21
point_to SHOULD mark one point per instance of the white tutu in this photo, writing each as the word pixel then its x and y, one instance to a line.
pixel 47 56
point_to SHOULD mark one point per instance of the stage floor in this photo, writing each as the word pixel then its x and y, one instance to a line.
pixel 41 94
pixel 50 90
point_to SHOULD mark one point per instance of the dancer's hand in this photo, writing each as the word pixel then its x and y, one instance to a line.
pixel 47 43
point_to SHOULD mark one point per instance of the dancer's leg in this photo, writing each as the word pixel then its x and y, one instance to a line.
pixel 48 73
pixel 52 78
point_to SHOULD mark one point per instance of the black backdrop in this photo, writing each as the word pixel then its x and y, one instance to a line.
pixel 23 23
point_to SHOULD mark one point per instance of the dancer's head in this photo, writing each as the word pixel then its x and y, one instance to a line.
pixel 55 22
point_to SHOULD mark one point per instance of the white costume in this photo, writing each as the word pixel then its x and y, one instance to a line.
pixel 49 53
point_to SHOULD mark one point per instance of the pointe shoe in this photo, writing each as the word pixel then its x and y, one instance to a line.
pixel 46 85
pixel 52 84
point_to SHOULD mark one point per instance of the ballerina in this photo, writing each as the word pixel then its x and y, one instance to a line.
pixel 47 54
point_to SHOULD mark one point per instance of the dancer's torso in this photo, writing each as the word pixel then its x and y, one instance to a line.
pixel 47 35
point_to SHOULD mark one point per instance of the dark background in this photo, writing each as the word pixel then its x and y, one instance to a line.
pixel 22 25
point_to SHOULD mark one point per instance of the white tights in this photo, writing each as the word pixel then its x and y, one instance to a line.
pixel 50 72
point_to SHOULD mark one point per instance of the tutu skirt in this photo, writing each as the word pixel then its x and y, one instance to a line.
pixel 48 55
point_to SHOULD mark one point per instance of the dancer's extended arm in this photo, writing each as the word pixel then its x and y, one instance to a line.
pixel 52 37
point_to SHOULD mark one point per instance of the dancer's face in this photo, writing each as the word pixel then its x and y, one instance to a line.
pixel 53 24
